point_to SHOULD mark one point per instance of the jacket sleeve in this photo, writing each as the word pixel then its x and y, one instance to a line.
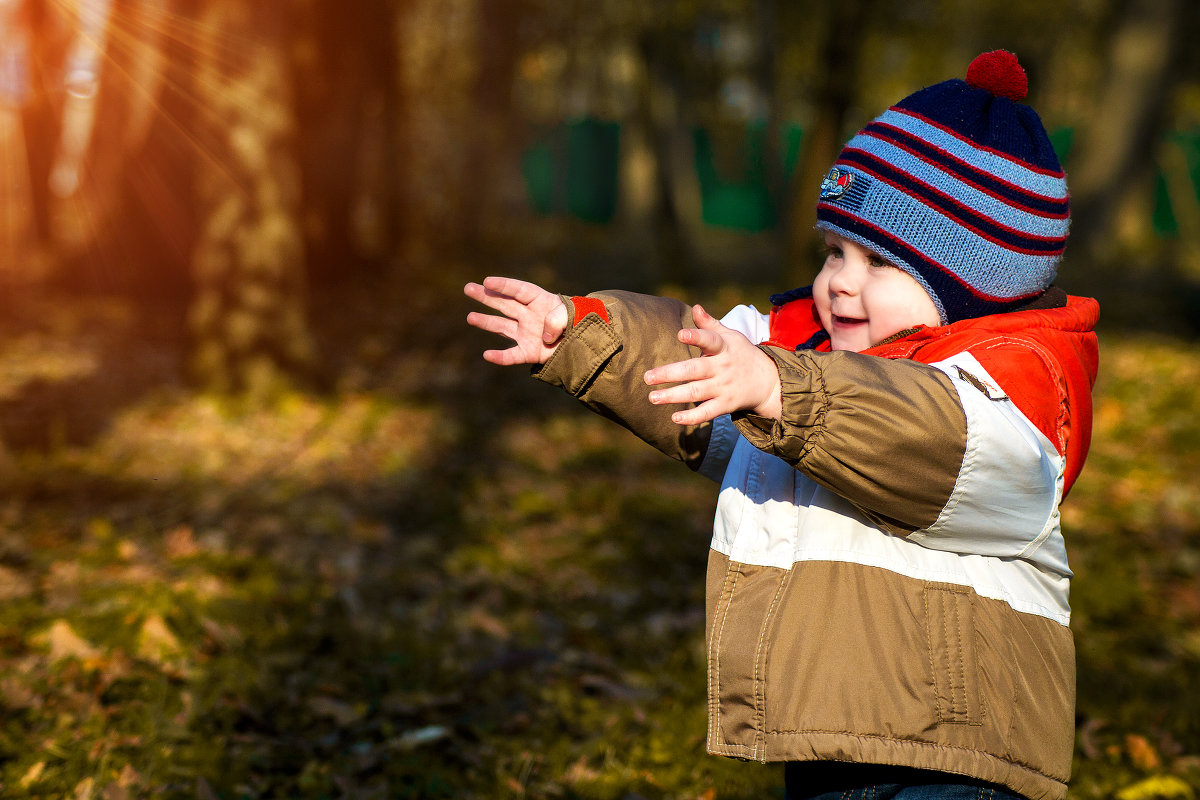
pixel 887 435
pixel 938 451
pixel 602 363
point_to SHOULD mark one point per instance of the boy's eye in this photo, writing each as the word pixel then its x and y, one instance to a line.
pixel 879 263
pixel 832 251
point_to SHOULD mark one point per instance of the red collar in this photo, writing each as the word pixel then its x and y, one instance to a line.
pixel 794 324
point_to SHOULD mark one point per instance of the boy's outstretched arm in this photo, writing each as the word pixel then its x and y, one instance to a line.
pixel 596 348
pixel 533 318
pixel 731 374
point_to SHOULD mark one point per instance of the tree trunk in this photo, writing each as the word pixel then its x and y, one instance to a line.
pixel 1113 156
pixel 676 261
pixel 249 315
pixel 493 145
pixel 344 75
pixel 438 73
pixel 824 140
pixel 766 64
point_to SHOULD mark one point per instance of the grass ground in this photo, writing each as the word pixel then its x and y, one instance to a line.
pixel 437 579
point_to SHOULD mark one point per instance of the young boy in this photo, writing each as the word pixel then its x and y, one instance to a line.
pixel 887 583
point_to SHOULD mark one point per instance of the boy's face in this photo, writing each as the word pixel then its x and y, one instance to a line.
pixel 862 299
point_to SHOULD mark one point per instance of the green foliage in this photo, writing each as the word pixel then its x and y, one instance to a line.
pixel 1133 528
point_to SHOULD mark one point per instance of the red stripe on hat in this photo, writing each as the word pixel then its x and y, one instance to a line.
pixel 1051 173
pixel 955 210
pixel 901 141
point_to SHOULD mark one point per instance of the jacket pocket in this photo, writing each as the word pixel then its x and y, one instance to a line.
pixel 745 606
pixel 950 628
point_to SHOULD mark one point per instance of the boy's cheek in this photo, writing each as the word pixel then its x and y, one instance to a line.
pixel 823 315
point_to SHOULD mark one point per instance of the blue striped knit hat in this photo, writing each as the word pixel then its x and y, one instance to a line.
pixel 959 186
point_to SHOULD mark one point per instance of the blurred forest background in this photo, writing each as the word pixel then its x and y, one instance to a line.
pixel 270 527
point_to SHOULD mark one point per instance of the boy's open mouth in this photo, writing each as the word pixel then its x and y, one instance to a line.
pixel 847 320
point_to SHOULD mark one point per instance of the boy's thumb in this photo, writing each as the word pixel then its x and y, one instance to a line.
pixel 554 325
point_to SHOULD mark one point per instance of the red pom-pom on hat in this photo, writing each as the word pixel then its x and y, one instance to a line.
pixel 999 73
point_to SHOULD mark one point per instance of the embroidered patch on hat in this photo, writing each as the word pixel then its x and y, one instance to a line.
pixel 836 184
pixel 845 189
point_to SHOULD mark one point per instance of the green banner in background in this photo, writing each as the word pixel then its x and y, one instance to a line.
pixel 734 192
pixel 573 169
pixel 1177 185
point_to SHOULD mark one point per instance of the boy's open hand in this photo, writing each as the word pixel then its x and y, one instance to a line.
pixel 730 375
pixel 534 319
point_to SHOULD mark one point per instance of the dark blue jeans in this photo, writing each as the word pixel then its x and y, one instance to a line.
pixel 838 781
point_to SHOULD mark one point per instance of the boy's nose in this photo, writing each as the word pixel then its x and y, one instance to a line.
pixel 843 281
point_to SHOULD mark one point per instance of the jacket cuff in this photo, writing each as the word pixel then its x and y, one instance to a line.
pixel 588 344
pixel 803 414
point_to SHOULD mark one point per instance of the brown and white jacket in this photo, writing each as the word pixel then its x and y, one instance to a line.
pixel 887 578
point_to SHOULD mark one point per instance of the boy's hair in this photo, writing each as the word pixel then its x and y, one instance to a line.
pixel 958 185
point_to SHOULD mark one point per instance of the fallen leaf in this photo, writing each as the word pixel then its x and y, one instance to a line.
pixel 421 736
pixel 1158 787
pixel 128 550
pixel 156 642
pixel 180 542
pixel 483 621
pixel 14 585
pixel 16 693
pixel 84 789
pixel 1141 752
pixel 580 772
pixel 32 775
pixel 341 712
pixel 64 642
pixel 129 777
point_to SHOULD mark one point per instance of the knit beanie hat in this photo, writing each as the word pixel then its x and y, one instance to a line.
pixel 959 186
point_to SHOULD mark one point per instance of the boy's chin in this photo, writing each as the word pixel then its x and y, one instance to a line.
pixel 848 341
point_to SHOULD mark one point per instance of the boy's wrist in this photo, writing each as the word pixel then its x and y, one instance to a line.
pixel 772 407
pixel 586 345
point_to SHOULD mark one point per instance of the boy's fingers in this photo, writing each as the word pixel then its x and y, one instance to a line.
pixel 709 341
pixel 692 369
pixel 523 292
pixel 504 358
pixel 692 392
pixel 497 302
pixel 704 412
pixel 493 324
pixel 473 289
pixel 703 319
pixel 506 295
pixel 502 285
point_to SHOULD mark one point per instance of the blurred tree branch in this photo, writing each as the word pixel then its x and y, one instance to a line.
pixel 1132 105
